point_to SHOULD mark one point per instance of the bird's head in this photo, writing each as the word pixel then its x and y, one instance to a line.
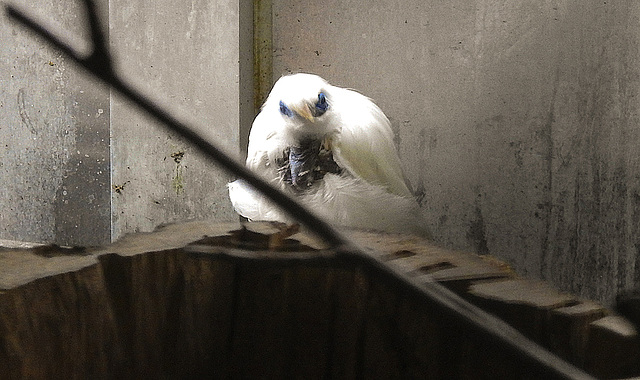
pixel 304 101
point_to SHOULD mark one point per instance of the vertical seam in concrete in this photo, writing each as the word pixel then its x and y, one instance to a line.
pixel 262 50
pixel 246 30
pixel 546 241
pixel 109 189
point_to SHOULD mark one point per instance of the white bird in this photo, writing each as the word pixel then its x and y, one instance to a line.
pixel 333 149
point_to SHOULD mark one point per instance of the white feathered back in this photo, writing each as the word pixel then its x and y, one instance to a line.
pixel 365 144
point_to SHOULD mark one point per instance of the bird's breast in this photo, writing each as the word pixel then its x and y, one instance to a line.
pixel 302 165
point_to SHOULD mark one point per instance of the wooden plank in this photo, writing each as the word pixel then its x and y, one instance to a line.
pixel 165 238
pixel 525 304
pixel 17 244
pixel 350 289
pixel 309 322
pixel 22 266
pixel 522 291
pixel 147 304
pixel 422 264
pixel 422 337
pixel 170 312
pixel 259 332
pixel 381 340
pixel 206 313
pixel 469 270
pixel 385 244
pixel 569 330
pixel 59 327
pixel 419 257
pixel 613 348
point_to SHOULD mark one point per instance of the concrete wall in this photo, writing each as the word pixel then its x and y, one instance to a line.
pixel 517 121
pixel 188 53
pixel 54 134
pixel 66 141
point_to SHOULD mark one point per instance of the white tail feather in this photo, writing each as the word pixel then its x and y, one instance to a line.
pixel 343 200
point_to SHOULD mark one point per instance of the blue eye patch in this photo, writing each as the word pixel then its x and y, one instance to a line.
pixel 286 111
pixel 321 105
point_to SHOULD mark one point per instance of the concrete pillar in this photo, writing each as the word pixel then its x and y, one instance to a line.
pixel 189 54
pixel 54 134
pixel 81 166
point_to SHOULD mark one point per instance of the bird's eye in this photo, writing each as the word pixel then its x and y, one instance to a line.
pixel 321 105
pixel 285 110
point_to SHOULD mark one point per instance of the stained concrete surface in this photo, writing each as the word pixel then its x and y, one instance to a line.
pixel 81 166
pixel 54 133
pixel 189 54
pixel 516 121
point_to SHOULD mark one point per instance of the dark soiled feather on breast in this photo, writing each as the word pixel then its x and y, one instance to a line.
pixel 306 164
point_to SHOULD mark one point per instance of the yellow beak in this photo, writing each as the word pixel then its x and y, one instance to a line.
pixel 304 111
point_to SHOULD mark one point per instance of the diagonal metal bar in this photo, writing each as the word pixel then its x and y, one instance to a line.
pixel 466 315
pixel 100 56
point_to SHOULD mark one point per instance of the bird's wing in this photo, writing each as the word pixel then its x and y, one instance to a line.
pixel 266 144
pixel 364 145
